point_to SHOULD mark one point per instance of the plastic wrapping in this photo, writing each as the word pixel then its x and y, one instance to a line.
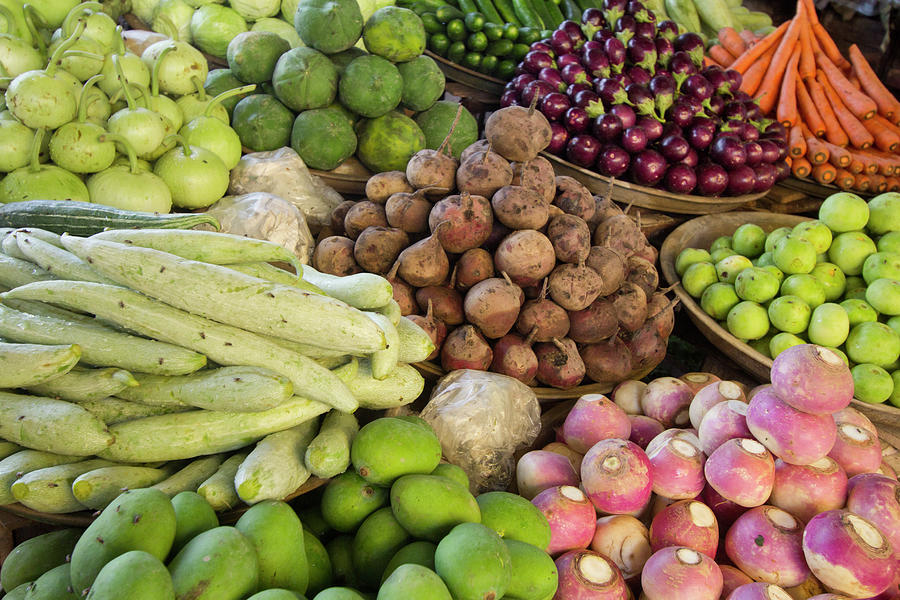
pixel 266 217
pixel 282 172
pixel 481 419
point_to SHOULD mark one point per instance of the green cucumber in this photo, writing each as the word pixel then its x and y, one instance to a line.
pixel 540 7
pixel 402 385
pixel 85 218
pixel 571 10
pixel 447 13
pixel 113 411
pixel 684 12
pixel 42 309
pixel 415 344
pixel 61 263
pixel 232 298
pixel 715 14
pixel 385 361
pixel 51 425
pixel 275 275
pixel 99 347
pixel 328 454
pixel 500 48
pixel 23 365
pixel 507 11
pixel 95 489
pixel 189 477
pixel 361 290
pixel 80 385
pixel 16 465
pixel 8 449
pixel 556 16
pixel 15 272
pixel 218 489
pixel 489 11
pixel 275 467
pixel 49 490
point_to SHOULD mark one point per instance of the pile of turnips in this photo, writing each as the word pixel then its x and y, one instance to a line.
pixel 630 98
pixel 698 488
pixel 516 271
pixel 103 114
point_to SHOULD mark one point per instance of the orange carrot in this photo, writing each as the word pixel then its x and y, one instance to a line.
pixel 719 54
pixel 768 89
pixel 856 167
pixel 844 179
pixel 801 168
pixel 709 62
pixel 833 131
pixel 882 122
pixel 829 47
pixel 859 104
pixel 858 135
pixel 854 80
pixel 752 55
pixel 816 152
pixel 885 139
pixel 809 114
pixel 786 110
pixel 731 41
pixel 807 64
pixel 796 142
pixel 893 184
pixel 879 183
pixel 754 75
pixel 839 157
pixel 749 37
pixel 824 173
pixel 886 163
pixel 888 106
pixel 810 8
pixel 862 182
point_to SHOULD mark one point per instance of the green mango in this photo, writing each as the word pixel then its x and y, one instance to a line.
pixel 34 557
pixel 534 574
pixel 452 472
pixel 318 562
pixel 514 518
pixel 416 553
pixel 275 530
pixel 340 553
pixel 135 575
pixel 429 506
pixel 413 581
pixel 193 515
pixel 219 564
pixel 388 448
pixel 55 584
pixel 378 538
pixel 348 499
pixel 474 562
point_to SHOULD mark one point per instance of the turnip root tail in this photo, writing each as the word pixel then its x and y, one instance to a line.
pixel 533 105
pixel 446 142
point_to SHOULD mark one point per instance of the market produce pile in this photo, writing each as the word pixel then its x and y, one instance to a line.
pixel 710 17
pixel 834 281
pixel 777 493
pixel 562 283
pixel 128 377
pixel 630 98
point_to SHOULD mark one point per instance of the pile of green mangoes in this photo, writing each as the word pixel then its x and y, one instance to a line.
pixel 834 281
pixel 399 525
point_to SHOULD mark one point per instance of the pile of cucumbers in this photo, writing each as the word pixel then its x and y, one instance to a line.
pixel 181 359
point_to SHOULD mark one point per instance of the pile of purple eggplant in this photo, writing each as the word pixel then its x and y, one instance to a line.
pixel 630 98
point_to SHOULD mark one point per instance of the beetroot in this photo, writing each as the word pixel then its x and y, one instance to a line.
pixel 593 418
pixel 408 212
pixel 595 323
pixel 483 173
pixel 469 219
pixel 573 198
pixel 643 274
pixel 493 305
pixel 465 348
pixel 570 237
pixel 559 364
pixel 519 207
pixel 616 476
pixel 338 214
pixel 377 248
pixel 361 215
pixel 424 263
pixel 518 133
pixel 630 302
pixel 607 361
pixel 661 311
pixel 381 186
pixel 473 266
pixel 431 168
pixel 334 255
pixel 620 233
pixel 647 347
pixel 536 175
pixel 404 295
pixel 610 265
pixel 514 357
pixel 527 256
pixel 545 318
pixel 447 303
pixel 574 287
pixel 435 328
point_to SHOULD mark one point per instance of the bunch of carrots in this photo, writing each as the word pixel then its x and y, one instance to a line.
pixel 842 121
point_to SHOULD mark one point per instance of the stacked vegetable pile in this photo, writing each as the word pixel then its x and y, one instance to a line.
pixel 91 386
pixel 562 283
pixel 397 523
pixel 782 289
pixel 627 98
pixel 786 484
pixel 842 121
pixel 90 103
pixel 709 17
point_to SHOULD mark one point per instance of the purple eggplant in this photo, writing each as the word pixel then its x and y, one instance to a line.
pixel 782 148
pixel 574 88
pixel 671 128
pixel 626 24
pixel 613 9
pixel 734 110
pixel 611 91
pixel 509 98
pixel 634 140
pixel 740 96
pixel 621 78
pixel 775 130
pixel 576 120
pixel 591 45
pixel 782 170
pixel 553 78
pixel 652 126
pixel 613 161
pixel 583 150
pixel 754 154
pixel 715 104
pixel 536 60
pixel 750 133
pixel 520 70
pixel 615 52
pixel 585 97
pixel 712 179
pixel 535 90
pixel 681 67
pixel 648 167
pixel 680 179
pixel 559 137
pixel 692 44
pixel 674 148
pixel 645 30
pixel 741 180
pixel 574 31
pixel 544 47
pixel 638 74
pixel 593 17
pixel 607 127
pixel 734 78
pixel 698 87
pixel 681 113
pixel 602 35
pixel 692 159
pixel 667 29
pixel 596 62
pixel 641 51
pixel 642 100
pixel 520 81
pixel 641 13
pixel 766 177
pixel 718 79
pixel 568 59
pixel 753 111
pixel 770 151
pixel 663 88
pixel 591 104
pixel 664 51
pixel 728 151
pixel 561 43
pixel 574 73
pixel 626 114
pixel 700 136
pixel 555 105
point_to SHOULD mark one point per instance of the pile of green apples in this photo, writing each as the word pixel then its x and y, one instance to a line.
pixel 834 281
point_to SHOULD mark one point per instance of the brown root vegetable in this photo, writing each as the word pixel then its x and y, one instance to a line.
pixel 610 265
pixel 465 348
pixel 404 295
pixel 559 364
pixel 595 323
pixel 483 174
pixel 513 356
pixel 620 233
pixel 608 361
pixel 536 175
pixel 570 237
pixel 338 214
pixel 434 327
pixel 381 186
pixel 466 221
pixel 431 168
pixel 424 263
pixel 542 318
pixel 574 287
pixel 334 255
pixel 475 264
pixel 518 207
pixel 631 306
pixel 643 274
pixel 573 198
pixel 661 311
pixel 526 256
pixel 377 248
pixel 447 303
pixel 604 208
pixel 518 133
pixel 647 348
pixel 408 212
pixel 364 214
pixel 648 253
pixel 493 306
pixel 499 231
pixel 481 145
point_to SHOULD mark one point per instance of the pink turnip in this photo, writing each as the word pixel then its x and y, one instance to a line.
pixel 593 418
pixel 539 469
pixel 857 450
pixel 678 572
pixel 732 579
pixel 829 597
pixel 686 523
pixel 644 429
pixel 812 379
pixel 724 421
pixel 699 380
pixel 848 554
pixel 667 399
pixel 806 490
pixel 741 470
pixel 796 437
pixel 465 348
pixel 616 476
pixel 559 363
pixel 571 517
pixel 587 575
pixel 676 464
pixel 759 591
pixel 574 457
pixel 877 498
pixel 625 540
pixel 725 510
pixel 628 396
pixel 854 417
pixel 711 394
pixel 765 543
